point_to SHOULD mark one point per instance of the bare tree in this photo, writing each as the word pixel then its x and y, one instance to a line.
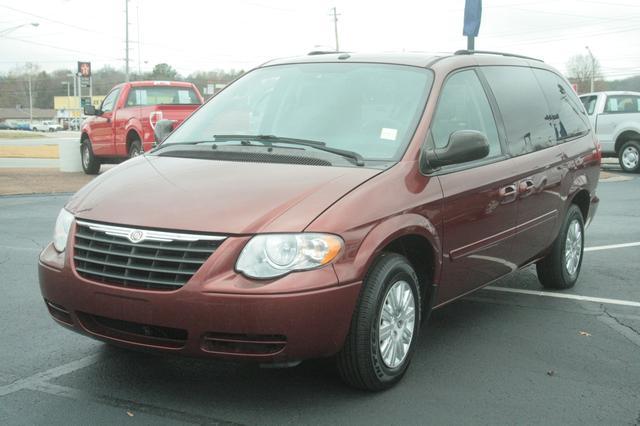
pixel 580 69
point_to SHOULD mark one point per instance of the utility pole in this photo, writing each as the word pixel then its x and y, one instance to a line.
pixel 126 18
pixel 30 101
pixel 335 14
pixel 593 66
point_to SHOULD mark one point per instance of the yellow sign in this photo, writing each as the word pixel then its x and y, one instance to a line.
pixel 73 102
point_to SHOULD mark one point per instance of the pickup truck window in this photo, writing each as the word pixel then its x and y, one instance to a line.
pixel 157 95
pixel 589 103
pixel 622 104
pixel 110 100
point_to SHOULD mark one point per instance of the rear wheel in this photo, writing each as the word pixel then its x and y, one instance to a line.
pixel 561 267
pixel 629 157
pixel 90 164
pixel 135 149
pixel 384 327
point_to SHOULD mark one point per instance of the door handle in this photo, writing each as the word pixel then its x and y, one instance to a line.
pixel 507 191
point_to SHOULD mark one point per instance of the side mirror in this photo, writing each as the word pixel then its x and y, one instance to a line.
pixel 162 130
pixel 90 110
pixel 463 146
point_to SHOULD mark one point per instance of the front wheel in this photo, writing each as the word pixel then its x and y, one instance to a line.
pixel 629 157
pixel 384 327
pixel 561 267
pixel 90 164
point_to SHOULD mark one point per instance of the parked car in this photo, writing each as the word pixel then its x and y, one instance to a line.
pixel 123 125
pixel 22 126
pixel 325 205
pixel 75 123
pixel 615 116
pixel 46 126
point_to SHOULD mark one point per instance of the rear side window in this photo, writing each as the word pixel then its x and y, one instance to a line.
pixel 622 104
pixel 567 116
pixel 162 95
pixel 589 103
pixel 523 107
pixel 463 105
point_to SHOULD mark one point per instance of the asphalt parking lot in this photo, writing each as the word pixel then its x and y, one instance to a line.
pixel 505 355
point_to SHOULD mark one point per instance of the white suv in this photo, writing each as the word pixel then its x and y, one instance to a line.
pixel 615 116
pixel 46 126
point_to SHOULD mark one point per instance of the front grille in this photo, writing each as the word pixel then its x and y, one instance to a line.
pixel 159 261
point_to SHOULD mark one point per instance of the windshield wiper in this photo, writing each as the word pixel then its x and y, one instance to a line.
pixel 269 139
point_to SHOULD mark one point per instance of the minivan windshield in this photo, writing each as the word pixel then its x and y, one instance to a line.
pixel 370 110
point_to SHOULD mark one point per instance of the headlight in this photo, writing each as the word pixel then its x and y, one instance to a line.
pixel 273 255
pixel 61 231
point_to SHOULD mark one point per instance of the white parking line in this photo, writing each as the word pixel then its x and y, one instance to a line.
pixel 612 246
pixel 566 296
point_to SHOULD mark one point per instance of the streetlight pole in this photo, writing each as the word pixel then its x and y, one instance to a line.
pixel 593 66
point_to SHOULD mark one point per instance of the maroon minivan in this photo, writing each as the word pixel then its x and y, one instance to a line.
pixel 324 205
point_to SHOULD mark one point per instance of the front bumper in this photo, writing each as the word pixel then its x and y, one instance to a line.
pixel 245 322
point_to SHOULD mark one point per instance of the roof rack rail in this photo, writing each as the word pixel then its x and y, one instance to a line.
pixel 489 52
pixel 323 52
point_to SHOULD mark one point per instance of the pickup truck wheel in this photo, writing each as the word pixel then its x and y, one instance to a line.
pixel 135 149
pixel 561 267
pixel 629 157
pixel 384 326
pixel 90 164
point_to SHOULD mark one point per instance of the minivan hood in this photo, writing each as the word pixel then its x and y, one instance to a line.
pixel 214 196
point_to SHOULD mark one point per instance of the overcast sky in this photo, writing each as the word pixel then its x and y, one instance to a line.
pixel 196 35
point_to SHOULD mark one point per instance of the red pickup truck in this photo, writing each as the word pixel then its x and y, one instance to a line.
pixel 123 125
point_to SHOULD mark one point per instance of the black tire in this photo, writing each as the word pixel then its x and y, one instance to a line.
pixel 629 157
pixel 135 149
pixel 360 362
pixel 90 164
pixel 553 270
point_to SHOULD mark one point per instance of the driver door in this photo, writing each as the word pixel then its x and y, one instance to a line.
pixel 102 134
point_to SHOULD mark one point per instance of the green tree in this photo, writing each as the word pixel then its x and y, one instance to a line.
pixel 164 72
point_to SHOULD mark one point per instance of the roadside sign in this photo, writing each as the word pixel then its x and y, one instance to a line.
pixel 84 69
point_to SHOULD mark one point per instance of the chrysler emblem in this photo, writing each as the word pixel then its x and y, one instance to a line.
pixel 136 236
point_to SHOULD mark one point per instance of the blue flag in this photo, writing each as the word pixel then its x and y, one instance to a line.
pixel 472 15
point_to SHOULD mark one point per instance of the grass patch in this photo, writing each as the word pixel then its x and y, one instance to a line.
pixel 19 134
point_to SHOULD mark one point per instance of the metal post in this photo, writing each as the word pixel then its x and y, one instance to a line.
pixel 335 27
pixel 126 15
pixel 30 101
pixel 471 43
pixel 91 88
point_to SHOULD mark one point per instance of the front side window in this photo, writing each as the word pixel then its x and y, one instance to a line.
pixel 109 102
pixel 567 116
pixel 369 109
pixel 589 103
pixel 162 95
pixel 622 103
pixel 523 107
pixel 463 105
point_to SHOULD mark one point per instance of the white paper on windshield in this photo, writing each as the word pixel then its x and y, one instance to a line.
pixel 183 97
pixel 388 134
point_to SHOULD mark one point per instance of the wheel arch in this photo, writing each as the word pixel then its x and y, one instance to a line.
pixel 626 136
pixel 132 135
pixel 582 199
pixel 412 236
